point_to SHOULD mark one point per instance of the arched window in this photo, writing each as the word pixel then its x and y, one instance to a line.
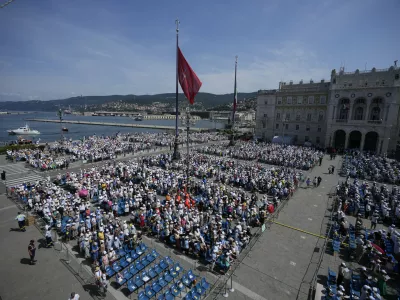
pixel 375 114
pixel 343 112
pixel 359 113
pixel 360 101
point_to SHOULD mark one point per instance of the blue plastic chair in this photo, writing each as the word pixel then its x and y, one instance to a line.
pixel 168 295
pixel 123 263
pixel 169 261
pixel 178 268
pixel 186 280
pixel 128 257
pixel 154 253
pixel 144 262
pixel 150 257
pixel 157 269
pixel 138 281
pixel 194 295
pixel 163 265
pixel 116 267
pixel 188 296
pixel 149 292
pixel 173 273
pixel 175 291
pixel 121 252
pixel 110 272
pixel 139 266
pixel 131 286
pixel 127 275
pixel 145 277
pixel 142 296
pixel 121 282
pixel 199 289
pixel 139 251
pixel 152 273
pixel 204 284
pixel 162 282
pixel 168 278
pixel 134 255
pixel 161 297
pixel 156 287
pixel 133 270
pixel 190 275
pixel 143 247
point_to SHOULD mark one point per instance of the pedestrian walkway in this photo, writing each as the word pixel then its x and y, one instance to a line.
pixel 13 168
pixel 33 177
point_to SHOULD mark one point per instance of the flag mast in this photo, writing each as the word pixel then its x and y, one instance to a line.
pixel 232 141
pixel 176 154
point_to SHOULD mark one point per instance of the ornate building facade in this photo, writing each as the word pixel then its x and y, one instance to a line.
pixel 355 110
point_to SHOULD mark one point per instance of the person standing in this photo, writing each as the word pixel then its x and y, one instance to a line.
pixel 21 221
pixel 319 180
pixel 374 220
pixel 32 251
pixel 104 284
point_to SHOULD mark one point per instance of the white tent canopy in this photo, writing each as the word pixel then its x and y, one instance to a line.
pixel 287 140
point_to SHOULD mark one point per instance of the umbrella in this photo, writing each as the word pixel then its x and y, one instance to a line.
pixel 377 248
pixel 83 193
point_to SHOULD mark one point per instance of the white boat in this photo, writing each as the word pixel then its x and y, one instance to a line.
pixel 137 117
pixel 25 130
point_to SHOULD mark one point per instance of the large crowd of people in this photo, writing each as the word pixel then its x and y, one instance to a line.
pixel 60 155
pixel 371 167
pixel 275 154
pixel 377 251
pixel 208 215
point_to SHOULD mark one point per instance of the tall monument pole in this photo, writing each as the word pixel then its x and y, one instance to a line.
pixel 176 154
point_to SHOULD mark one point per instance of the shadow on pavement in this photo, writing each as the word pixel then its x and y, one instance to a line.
pixel 25 261
pixel 16 230
pixel 93 290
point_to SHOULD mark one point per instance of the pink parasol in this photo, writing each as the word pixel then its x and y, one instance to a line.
pixel 378 248
pixel 83 193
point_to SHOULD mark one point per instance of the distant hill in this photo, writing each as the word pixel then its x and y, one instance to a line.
pixel 208 100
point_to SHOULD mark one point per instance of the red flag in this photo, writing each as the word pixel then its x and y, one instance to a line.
pixel 188 79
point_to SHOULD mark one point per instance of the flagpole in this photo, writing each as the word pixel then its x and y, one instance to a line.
pixel 232 142
pixel 176 151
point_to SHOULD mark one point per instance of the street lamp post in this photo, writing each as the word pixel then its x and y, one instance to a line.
pixel 186 121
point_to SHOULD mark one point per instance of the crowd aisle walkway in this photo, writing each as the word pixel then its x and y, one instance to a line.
pixel 283 262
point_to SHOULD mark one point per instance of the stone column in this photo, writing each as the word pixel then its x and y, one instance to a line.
pixel 385 146
pixel 379 146
pixel 346 143
pixel 362 141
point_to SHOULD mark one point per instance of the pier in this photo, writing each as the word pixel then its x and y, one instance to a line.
pixel 149 126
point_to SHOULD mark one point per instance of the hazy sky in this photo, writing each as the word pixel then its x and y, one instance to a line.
pixel 53 49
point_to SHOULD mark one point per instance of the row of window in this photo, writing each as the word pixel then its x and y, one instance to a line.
pixel 301 100
pixel 287 116
pixel 375 113
pixel 297 126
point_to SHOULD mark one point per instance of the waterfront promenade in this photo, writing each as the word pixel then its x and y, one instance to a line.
pixel 149 126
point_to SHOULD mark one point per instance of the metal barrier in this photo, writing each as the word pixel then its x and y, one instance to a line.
pixel 312 288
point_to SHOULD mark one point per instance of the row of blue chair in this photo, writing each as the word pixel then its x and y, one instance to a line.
pixel 126 258
pixel 166 276
pixel 176 289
